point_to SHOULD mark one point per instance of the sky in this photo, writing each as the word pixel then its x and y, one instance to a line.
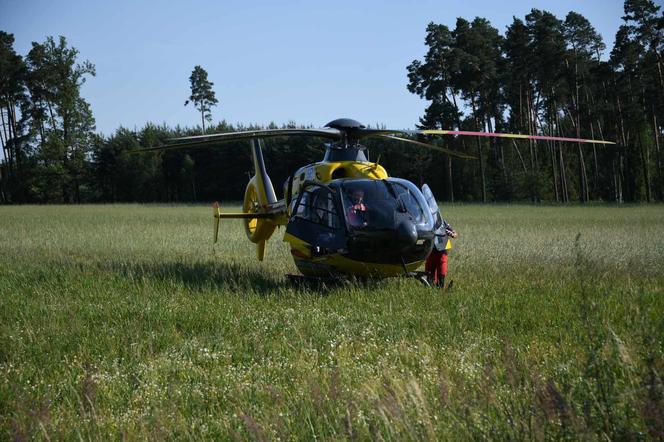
pixel 270 61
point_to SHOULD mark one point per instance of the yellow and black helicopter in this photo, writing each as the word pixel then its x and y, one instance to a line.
pixel 344 215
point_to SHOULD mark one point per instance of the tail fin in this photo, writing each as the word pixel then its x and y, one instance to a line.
pixel 261 211
pixel 259 230
pixel 260 250
pixel 264 186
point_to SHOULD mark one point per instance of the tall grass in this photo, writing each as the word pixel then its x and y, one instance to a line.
pixel 124 322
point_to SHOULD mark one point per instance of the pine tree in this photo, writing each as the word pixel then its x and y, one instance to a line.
pixel 432 80
pixel 12 97
pixel 202 94
pixel 584 43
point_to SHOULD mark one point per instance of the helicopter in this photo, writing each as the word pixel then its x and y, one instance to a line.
pixel 343 215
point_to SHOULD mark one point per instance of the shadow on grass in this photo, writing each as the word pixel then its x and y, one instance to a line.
pixel 203 276
pixel 231 277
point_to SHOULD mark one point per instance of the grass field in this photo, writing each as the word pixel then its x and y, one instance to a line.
pixel 124 322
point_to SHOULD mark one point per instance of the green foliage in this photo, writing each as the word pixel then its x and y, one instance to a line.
pixel 545 75
pixel 122 321
pixel 62 119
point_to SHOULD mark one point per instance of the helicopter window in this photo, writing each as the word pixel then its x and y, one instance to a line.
pixel 317 205
pixel 375 204
pixel 367 203
pixel 409 202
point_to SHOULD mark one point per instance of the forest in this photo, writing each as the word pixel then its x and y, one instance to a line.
pixel 544 75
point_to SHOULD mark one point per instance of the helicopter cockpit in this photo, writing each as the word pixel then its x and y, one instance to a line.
pixel 384 221
pixel 375 204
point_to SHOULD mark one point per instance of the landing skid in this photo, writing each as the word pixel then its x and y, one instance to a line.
pixel 422 277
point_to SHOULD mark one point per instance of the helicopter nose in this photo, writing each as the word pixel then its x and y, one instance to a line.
pixel 406 235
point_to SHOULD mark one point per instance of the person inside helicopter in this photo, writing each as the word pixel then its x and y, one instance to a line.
pixel 379 204
pixel 357 212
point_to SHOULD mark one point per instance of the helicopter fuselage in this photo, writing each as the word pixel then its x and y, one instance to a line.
pixel 390 236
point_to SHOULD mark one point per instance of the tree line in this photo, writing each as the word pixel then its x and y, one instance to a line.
pixel 544 75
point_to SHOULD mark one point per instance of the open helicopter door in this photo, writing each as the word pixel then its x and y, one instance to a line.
pixel 437 219
pixel 431 200
pixel 316 226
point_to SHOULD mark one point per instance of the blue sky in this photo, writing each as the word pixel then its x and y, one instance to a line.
pixel 306 61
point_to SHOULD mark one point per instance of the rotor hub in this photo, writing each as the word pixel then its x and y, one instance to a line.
pixel 350 131
pixel 345 124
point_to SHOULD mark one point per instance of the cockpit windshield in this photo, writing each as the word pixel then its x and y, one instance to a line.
pixel 376 204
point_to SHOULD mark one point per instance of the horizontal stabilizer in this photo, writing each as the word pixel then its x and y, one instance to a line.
pixel 238 215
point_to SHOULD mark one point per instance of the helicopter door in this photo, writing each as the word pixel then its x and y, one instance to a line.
pixel 316 220
pixel 431 200
pixel 435 213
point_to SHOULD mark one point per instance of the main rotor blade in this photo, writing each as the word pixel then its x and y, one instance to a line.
pixel 207 140
pixel 364 133
pixel 263 133
pixel 449 152
pixel 503 135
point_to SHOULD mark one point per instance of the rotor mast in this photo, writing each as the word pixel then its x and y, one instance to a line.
pixel 349 147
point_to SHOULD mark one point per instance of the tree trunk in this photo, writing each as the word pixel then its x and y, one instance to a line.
pixel 518 152
pixel 50 112
pixel 660 179
pixel 621 168
pixel 553 170
pixel 563 176
pixel 450 186
pixel 482 169
pixel 591 102
pixel 583 177
pixel 616 184
pixel 645 159
pixel 3 198
pixel 13 135
pixel 564 191
pixel 659 71
pixel 5 142
pixel 65 159
pixel 530 131
pixel 479 151
pixel 3 178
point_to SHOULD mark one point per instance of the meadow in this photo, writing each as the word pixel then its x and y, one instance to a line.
pixel 125 322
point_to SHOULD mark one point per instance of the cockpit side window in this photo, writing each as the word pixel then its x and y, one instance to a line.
pixel 413 200
pixel 410 202
pixel 316 205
